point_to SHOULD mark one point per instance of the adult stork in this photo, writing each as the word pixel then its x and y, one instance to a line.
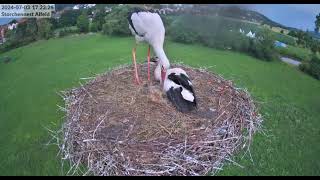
pixel 147 26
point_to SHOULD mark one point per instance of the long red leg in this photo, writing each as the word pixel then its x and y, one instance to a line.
pixel 149 64
pixel 137 80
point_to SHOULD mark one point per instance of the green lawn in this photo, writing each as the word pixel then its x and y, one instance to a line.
pixel 288 99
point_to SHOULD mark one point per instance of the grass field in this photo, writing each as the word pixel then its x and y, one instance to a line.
pixel 298 53
pixel 288 99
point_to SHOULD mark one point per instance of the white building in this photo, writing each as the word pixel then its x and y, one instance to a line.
pixel 251 35
pixel 12 26
pixel 76 7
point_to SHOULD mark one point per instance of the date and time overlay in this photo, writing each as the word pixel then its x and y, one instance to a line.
pixel 26 10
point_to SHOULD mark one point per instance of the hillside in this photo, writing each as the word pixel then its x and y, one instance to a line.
pixel 235 12
pixel 249 15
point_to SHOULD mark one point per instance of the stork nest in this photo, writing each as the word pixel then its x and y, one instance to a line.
pixel 115 127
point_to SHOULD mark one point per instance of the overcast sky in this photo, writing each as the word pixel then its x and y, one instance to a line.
pixel 300 16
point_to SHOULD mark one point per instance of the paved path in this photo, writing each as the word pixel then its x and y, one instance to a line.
pixel 290 61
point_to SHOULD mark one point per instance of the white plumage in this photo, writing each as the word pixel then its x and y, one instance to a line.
pixel 148 27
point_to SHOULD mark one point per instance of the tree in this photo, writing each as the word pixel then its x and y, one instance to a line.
pixel 116 22
pixel 301 39
pixel 315 46
pixel 20 32
pixel 69 18
pixel 264 48
pixel 55 23
pixel 13 21
pixel 317 23
pixel 281 31
pixel 99 19
pixel 32 28
pixel 312 67
pixel 83 23
pixel 267 37
pixel 93 27
pixel 44 28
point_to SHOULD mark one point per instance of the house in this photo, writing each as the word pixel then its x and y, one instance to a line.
pixel 76 7
pixel 241 31
pixel 12 26
pixel 251 35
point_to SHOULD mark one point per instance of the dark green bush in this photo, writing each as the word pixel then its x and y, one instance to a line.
pixel 184 36
pixel 116 22
pixel 311 67
pixel 26 33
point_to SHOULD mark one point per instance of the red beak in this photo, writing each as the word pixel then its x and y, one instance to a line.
pixel 163 74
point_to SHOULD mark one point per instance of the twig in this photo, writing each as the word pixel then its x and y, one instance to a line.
pixel 88 93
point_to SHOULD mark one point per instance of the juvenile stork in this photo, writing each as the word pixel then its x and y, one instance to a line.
pixel 177 85
pixel 147 26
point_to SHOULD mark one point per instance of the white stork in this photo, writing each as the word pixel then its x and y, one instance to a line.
pixel 147 26
pixel 178 87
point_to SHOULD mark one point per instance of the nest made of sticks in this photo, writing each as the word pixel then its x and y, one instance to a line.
pixel 115 127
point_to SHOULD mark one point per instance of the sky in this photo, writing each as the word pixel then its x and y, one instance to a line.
pixel 301 16
pixel 5 20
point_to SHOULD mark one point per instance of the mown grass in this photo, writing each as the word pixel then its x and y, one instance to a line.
pixel 288 100
pixel 298 53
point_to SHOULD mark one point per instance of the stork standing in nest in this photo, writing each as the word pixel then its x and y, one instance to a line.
pixel 147 26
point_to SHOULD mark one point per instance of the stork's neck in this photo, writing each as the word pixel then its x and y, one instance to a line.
pixel 158 50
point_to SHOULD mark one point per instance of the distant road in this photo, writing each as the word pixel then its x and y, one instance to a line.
pixel 290 61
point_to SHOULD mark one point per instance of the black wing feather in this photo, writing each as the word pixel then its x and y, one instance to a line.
pixel 182 80
pixel 131 24
pixel 175 97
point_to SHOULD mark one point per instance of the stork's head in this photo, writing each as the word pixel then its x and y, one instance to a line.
pixel 164 66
